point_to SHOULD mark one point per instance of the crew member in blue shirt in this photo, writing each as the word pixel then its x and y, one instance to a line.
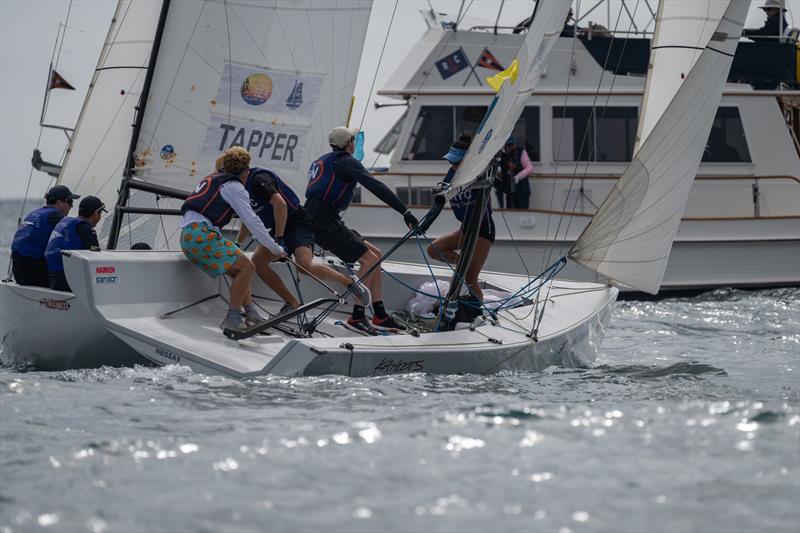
pixel 208 209
pixel 30 240
pixel 331 181
pixel 445 248
pixel 73 233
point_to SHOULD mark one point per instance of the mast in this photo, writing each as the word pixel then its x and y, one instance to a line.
pixel 127 175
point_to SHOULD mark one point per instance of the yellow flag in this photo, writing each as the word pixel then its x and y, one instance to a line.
pixel 510 73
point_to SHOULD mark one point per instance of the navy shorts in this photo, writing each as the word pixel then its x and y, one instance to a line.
pixel 298 232
pixel 331 234
pixel 486 230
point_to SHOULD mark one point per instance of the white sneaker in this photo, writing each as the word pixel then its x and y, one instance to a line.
pixel 360 291
pixel 233 320
pixel 252 317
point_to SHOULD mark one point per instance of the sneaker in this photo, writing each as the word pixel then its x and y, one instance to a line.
pixel 360 291
pixel 233 320
pixel 252 317
pixel 361 325
pixel 387 323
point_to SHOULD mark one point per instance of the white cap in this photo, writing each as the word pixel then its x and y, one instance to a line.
pixel 340 136
pixel 771 4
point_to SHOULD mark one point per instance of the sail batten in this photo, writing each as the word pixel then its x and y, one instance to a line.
pixel 630 237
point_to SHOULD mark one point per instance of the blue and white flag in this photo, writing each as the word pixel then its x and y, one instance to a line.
pixel 453 63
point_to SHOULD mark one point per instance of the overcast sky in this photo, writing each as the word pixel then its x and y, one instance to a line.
pixel 28 32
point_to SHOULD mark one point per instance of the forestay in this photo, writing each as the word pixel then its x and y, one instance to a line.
pixel 273 76
pixel 630 237
pixel 510 100
pixel 98 152
pixel 682 31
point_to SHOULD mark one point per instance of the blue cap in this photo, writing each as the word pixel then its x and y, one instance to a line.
pixel 455 155
pixel 511 140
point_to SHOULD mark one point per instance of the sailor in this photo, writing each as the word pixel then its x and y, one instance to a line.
pixel 30 240
pixel 332 179
pixel 445 248
pixel 208 209
pixel 73 233
pixel 279 209
pixel 516 167
pixel 773 27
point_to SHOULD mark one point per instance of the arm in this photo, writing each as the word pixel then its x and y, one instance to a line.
pixel 235 194
pixel 356 171
pixel 280 212
pixel 87 235
pixel 527 167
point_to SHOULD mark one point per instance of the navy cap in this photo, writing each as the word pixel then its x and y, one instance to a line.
pixel 60 192
pixel 90 205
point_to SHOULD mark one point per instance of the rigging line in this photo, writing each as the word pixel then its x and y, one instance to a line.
pixel 61 45
pixel 163 228
pixel 230 62
pixel 380 58
pixel 514 243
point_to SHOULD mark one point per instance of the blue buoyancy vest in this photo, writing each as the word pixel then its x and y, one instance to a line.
pixel 207 200
pixel 64 237
pixel 461 203
pixel 261 205
pixel 31 238
pixel 323 183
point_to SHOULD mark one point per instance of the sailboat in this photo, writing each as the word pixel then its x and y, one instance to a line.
pixel 166 310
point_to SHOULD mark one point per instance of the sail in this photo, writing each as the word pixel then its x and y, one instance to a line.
pixel 273 76
pixel 682 31
pixel 514 92
pixel 98 151
pixel 630 237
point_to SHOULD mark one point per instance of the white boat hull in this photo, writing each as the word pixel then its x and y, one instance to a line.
pixel 52 330
pixel 151 284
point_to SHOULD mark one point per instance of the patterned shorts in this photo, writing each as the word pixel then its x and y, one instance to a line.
pixel 207 249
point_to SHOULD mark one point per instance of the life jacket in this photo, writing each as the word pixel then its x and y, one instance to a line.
pixel 323 183
pixel 64 237
pixel 31 238
pixel 462 203
pixel 207 200
pixel 262 207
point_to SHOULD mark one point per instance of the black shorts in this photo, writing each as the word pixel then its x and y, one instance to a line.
pixel 486 230
pixel 299 232
pixel 331 234
pixel 30 271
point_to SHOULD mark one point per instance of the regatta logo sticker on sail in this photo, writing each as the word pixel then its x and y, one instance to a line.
pixel 295 98
pixel 485 140
pixel 167 152
pixel 256 89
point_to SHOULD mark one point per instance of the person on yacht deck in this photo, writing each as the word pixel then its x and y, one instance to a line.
pixel 73 233
pixel 208 209
pixel 516 167
pixel 773 27
pixel 331 181
pixel 444 248
pixel 279 209
pixel 30 240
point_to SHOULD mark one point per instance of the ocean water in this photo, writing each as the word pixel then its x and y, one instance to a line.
pixel 690 421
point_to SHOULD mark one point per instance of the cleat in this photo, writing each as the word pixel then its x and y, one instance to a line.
pixel 360 291
pixel 362 326
pixel 387 324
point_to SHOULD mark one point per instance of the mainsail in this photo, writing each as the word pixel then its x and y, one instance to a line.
pixel 630 237
pixel 514 93
pixel 274 77
pixel 97 154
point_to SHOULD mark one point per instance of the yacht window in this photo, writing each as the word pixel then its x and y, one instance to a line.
pixel 726 142
pixel 422 196
pixel 389 140
pixel 431 135
pixel 468 118
pixel 594 134
pixel 526 131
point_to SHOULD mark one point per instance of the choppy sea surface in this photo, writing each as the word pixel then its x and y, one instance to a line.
pixel 690 421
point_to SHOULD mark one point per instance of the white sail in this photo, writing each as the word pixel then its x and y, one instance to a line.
pixel 273 76
pixel 630 237
pixel 97 153
pixel 683 29
pixel 510 101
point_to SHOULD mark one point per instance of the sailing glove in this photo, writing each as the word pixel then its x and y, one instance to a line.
pixel 410 220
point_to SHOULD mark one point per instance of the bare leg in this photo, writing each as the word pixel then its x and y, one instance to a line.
pixel 305 258
pixel 444 248
pixel 373 281
pixel 482 247
pixel 262 258
pixel 242 273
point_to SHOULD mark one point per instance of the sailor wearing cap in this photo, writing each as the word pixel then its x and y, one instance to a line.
pixel 30 240
pixel 445 248
pixel 773 27
pixel 331 181
pixel 73 233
